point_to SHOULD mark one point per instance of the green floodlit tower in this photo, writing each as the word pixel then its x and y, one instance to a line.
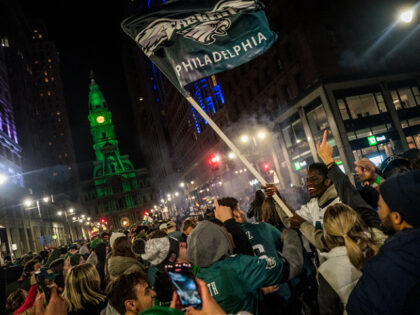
pixel 109 162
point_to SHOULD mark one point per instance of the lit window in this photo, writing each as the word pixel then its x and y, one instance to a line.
pixel 33 37
pixel 36 62
pixel 46 80
pixel 59 119
pixel 5 42
pixel 49 60
pixel 41 94
pixel 35 31
pixel 45 73
pixel 52 78
pixel 58 113
pixel 49 93
pixel 49 143
pixel 62 134
pixel 65 154
pixel 40 36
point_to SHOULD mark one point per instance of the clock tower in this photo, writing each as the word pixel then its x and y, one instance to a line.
pixel 108 162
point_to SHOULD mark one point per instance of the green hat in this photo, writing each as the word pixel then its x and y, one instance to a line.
pixel 161 310
pixel 95 243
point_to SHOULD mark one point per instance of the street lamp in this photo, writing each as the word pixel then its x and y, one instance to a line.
pixel 71 210
pixel 231 155
pixel 3 179
pixel 60 213
pixel 45 199
pixel 261 135
pixel 244 138
pixel 27 202
pixel 407 16
pixel 182 184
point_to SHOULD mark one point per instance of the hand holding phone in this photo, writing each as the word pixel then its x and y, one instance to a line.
pixel 184 284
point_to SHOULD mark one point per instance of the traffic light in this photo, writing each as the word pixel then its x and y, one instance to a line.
pixel 214 162
pixel 103 220
pixel 265 168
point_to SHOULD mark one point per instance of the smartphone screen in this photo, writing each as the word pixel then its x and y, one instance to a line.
pixel 184 284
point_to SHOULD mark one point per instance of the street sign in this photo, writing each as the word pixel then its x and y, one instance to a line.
pixel 372 140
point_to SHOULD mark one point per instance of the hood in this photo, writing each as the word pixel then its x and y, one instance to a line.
pixel 207 244
pixel 329 195
pixel 118 264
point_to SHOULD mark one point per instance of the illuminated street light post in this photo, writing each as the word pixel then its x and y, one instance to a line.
pixel 28 202
pixel 407 16
pixel 71 211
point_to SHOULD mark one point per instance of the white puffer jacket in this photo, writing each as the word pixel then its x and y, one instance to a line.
pixel 339 272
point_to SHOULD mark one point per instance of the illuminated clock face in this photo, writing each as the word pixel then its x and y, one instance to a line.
pixel 100 119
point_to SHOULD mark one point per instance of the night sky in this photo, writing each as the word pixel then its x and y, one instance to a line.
pixel 88 36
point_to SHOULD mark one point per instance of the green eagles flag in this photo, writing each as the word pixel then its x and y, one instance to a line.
pixel 189 40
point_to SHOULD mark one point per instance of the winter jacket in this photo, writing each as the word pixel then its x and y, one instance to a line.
pixel 388 277
pixel 347 194
pixel 350 196
pixel 340 275
pixel 234 281
pixel 118 265
pixel 313 211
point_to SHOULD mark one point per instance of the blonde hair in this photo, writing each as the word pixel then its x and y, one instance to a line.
pixel 82 286
pixel 343 227
pixel 269 213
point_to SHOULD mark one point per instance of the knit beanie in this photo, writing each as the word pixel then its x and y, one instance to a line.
pixel 207 244
pixel 402 194
pixel 161 251
pixel 114 236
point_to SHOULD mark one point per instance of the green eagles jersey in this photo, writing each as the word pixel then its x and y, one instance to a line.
pixel 235 281
pixel 266 242
pixel 265 239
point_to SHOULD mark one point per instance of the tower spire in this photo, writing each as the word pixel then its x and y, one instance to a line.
pixel 92 76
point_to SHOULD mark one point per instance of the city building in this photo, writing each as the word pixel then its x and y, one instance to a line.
pixel 118 194
pixel 147 87
pixel 51 163
pixel 24 226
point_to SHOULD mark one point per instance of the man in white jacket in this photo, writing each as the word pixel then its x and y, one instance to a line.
pixel 322 193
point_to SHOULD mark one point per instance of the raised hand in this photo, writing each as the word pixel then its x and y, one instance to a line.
pixel 324 150
pixel 222 213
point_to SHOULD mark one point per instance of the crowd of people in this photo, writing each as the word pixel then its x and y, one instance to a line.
pixel 348 250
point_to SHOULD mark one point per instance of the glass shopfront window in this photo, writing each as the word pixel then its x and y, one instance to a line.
pixel 294 134
pixel 406 97
pixel 363 105
pixel 317 119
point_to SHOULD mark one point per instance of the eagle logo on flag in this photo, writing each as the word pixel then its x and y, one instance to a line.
pixel 201 27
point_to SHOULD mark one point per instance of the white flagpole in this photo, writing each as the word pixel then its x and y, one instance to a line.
pixel 235 150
